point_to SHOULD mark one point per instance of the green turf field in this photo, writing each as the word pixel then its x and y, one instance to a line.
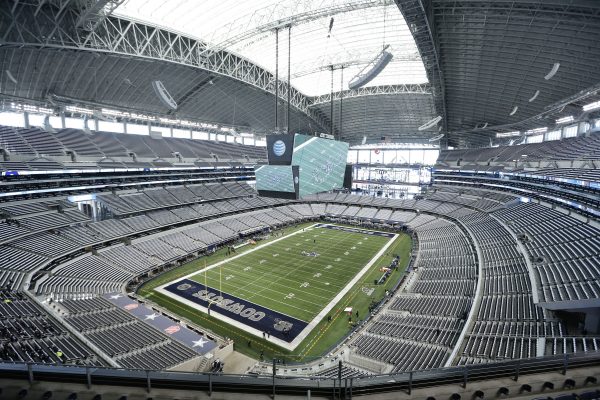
pixel 321 339
pixel 280 277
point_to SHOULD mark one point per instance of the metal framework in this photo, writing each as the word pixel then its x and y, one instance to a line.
pixel 418 15
pixel 423 88
pixel 55 26
pixel 391 113
pixel 487 60
pixel 269 18
pixel 322 63
pixel 95 11
pixel 482 58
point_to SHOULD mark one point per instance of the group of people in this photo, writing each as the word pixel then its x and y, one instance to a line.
pixel 217 366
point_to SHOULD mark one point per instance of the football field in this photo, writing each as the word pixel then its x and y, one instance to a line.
pixel 283 288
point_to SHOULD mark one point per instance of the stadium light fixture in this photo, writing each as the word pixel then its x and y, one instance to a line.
pixel 508 134
pixel 536 131
pixel 565 120
pixel 31 108
pixel 592 106
pixel 79 110
pixel 164 95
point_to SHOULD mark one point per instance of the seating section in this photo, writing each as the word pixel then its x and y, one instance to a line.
pixel 580 148
pixel 482 257
pixel 39 146
pixel 563 250
pixel 127 202
pixel 412 333
pixel 560 172
pixel 28 334
pixel 129 341
pixel 403 355
pixel 29 231
pixel 38 232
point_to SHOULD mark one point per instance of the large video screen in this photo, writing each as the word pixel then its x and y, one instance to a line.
pixel 275 178
pixel 322 164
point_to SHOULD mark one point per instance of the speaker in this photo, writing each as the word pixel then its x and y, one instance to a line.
pixel 164 95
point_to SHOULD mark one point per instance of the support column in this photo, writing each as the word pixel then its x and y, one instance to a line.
pixel 94 205
pixel 289 93
pixel 331 103
pixel 341 102
pixel 277 80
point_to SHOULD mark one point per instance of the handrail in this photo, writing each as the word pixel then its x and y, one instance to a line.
pixel 408 380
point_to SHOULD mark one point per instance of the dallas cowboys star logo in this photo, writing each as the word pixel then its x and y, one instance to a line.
pixel 199 343
pixel 151 316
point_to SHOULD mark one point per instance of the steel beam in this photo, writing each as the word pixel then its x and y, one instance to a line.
pixel 49 26
pixel 423 88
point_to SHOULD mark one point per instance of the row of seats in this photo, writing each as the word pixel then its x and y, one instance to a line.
pixel 128 202
pixel 98 145
pixel 563 251
pixel 427 317
pixel 578 148
pixel 131 342
pixel 28 334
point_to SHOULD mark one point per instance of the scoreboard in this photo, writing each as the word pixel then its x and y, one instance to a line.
pixel 301 165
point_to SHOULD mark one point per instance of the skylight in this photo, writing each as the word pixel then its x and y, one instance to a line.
pixel 360 30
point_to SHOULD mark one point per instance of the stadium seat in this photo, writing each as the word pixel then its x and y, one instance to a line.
pixel 569 384
pixel 525 388
pixel 590 380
